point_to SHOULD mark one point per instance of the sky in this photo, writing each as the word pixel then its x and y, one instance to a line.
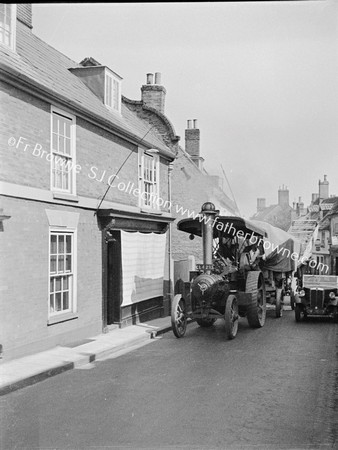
pixel 261 78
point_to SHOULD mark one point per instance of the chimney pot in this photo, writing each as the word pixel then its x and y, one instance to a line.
pixel 195 123
pixel 188 124
pixel 157 78
pixel 150 78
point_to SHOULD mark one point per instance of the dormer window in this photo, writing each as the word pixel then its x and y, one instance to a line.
pixel 7 24
pixel 112 97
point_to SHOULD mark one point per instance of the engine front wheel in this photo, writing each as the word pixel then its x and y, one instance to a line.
pixel 231 317
pixel 179 316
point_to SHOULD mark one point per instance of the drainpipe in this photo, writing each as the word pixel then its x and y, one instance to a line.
pixel 171 282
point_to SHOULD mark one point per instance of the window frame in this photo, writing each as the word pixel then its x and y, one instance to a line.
pixel 153 206
pixel 72 156
pixel 112 105
pixel 12 44
pixel 72 275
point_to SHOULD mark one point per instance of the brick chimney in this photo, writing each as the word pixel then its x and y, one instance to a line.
pixel 24 14
pixel 283 196
pixel 192 142
pixel 323 189
pixel 153 94
pixel 261 204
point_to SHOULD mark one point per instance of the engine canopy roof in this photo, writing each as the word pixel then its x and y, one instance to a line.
pixel 227 225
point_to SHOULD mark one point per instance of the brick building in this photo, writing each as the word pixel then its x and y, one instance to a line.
pixel 279 215
pixel 84 238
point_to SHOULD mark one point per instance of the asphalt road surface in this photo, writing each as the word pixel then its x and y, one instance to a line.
pixel 271 388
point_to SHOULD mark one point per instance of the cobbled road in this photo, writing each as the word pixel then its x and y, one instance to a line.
pixel 269 388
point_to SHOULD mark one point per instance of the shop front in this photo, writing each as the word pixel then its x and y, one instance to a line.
pixel 135 267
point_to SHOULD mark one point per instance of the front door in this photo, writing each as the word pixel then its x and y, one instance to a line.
pixel 114 278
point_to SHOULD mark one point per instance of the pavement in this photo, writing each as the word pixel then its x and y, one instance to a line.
pixel 22 372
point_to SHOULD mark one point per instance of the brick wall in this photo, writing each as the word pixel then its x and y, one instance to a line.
pixel 17 164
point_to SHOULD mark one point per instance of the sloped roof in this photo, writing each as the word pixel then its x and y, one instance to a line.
pixel 35 62
pixel 262 215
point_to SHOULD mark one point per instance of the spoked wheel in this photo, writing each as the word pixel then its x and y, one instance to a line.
pixel 256 310
pixel 231 317
pixel 279 303
pixel 205 323
pixel 179 316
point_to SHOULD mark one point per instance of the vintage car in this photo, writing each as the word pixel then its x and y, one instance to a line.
pixel 318 297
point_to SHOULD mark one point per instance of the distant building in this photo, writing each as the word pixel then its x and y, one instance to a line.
pixel 314 227
pixel 279 215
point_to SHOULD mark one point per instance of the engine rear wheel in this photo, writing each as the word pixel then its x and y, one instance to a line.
pixel 231 317
pixel 279 303
pixel 256 310
pixel 179 316
pixel 205 323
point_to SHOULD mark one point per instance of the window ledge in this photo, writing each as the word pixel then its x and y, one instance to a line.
pixel 152 211
pixel 61 318
pixel 64 196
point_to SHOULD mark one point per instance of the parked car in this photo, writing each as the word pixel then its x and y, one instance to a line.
pixel 318 297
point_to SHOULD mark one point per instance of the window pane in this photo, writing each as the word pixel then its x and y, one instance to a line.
pixel 51 288
pixel 65 283
pixel 68 244
pixel 65 300
pixel 58 301
pixel 57 284
pixel 68 263
pixel 67 146
pixel 53 243
pixel 51 303
pixel 61 264
pixel 67 134
pixel 52 264
pixel 61 144
pixel 61 244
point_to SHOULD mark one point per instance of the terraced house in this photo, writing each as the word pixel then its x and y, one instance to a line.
pixel 85 196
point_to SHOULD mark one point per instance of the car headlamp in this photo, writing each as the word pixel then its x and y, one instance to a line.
pixel 332 295
pixel 302 293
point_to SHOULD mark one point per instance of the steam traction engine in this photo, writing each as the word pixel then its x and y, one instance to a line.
pixel 229 283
